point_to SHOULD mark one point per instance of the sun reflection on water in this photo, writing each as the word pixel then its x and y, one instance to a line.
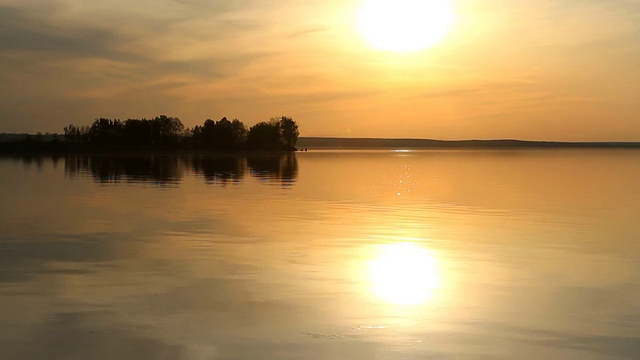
pixel 404 274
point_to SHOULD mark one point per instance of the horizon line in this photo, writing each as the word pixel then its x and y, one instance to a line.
pixel 473 139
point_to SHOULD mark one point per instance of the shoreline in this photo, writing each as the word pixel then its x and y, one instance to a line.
pixel 309 143
pixel 382 143
pixel 145 152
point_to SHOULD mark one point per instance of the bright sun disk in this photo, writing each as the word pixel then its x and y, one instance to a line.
pixel 404 25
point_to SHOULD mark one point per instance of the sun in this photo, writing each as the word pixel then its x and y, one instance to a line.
pixel 404 25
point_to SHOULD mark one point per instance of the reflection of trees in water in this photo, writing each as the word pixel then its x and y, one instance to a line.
pixel 281 168
pixel 219 169
pixel 38 160
pixel 74 165
pixel 35 160
pixel 163 170
pixel 166 169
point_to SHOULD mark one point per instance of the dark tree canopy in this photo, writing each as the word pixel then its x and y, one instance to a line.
pixel 264 135
pixel 221 134
pixel 167 129
pixel 164 132
pixel 288 130
pixel 113 133
pixel 279 133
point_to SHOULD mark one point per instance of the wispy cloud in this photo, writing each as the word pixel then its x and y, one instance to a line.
pixel 69 49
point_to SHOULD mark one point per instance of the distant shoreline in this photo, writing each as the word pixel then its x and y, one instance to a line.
pixel 381 143
pixel 52 144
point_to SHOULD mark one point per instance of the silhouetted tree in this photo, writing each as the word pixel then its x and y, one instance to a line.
pixel 106 132
pixel 205 135
pixel 264 135
pixel 167 130
pixel 277 134
pixel 76 134
pixel 71 134
pixel 239 131
pixel 288 130
pixel 221 134
pixel 138 132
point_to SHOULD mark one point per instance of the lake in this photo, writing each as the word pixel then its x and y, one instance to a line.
pixel 526 254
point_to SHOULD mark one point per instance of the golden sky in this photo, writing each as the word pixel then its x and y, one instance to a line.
pixel 528 69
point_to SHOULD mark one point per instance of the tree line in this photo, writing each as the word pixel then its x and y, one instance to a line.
pixel 164 132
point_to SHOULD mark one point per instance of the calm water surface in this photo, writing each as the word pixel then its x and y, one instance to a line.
pixel 322 255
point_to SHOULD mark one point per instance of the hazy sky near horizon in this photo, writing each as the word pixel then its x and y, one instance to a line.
pixel 529 69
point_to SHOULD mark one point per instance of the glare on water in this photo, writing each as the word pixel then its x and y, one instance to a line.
pixel 404 274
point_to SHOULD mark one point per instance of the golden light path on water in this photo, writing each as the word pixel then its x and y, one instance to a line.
pixel 404 274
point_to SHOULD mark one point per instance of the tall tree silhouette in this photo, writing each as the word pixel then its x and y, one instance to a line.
pixel 277 134
pixel 264 135
pixel 288 130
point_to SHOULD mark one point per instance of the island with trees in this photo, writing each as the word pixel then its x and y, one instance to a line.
pixel 165 133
